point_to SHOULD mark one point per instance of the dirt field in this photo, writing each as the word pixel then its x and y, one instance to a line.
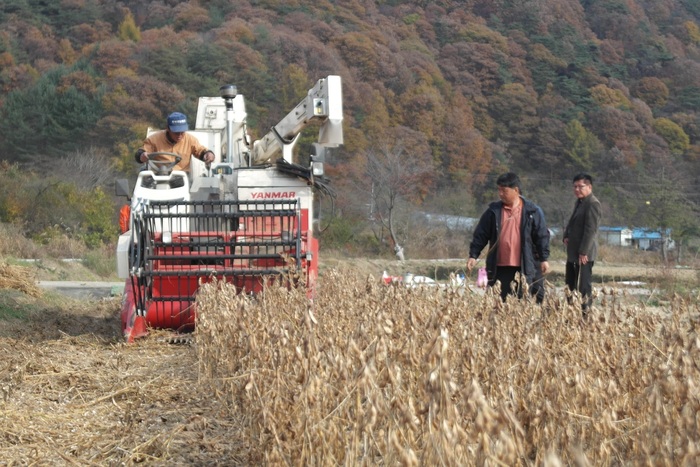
pixel 74 394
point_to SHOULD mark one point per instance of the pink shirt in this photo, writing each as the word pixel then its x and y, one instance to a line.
pixel 509 240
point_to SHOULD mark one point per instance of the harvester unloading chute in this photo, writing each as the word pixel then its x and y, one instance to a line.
pixel 322 103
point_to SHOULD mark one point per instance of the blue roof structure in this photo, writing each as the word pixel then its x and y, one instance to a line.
pixel 640 233
pixel 603 228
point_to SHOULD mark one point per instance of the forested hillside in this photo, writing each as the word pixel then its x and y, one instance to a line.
pixel 443 95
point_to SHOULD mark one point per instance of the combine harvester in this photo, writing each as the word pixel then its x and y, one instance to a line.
pixel 246 219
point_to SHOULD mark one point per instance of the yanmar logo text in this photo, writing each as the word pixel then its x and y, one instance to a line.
pixel 273 194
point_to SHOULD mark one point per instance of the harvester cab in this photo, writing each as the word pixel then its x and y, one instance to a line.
pixel 246 218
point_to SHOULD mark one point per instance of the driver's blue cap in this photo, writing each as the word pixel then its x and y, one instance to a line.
pixel 177 122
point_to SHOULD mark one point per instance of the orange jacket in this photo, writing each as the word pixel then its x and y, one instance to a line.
pixel 124 214
pixel 186 148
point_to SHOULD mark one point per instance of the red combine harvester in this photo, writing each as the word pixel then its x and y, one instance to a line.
pixel 244 219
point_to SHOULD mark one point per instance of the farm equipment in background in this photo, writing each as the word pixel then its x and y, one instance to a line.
pixel 246 219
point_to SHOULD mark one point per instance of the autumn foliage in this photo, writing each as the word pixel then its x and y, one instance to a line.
pixel 544 88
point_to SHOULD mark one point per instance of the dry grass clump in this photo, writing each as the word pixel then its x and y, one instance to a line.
pixel 14 243
pixel 375 374
pixel 62 246
pixel 18 278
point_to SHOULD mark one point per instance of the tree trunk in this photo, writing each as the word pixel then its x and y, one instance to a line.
pixel 398 249
pixel 664 248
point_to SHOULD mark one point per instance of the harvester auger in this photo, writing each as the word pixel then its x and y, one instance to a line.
pixel 246 219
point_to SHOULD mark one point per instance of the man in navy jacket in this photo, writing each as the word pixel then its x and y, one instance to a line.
pixel 515 230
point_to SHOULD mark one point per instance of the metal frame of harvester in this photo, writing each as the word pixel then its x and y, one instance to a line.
pixel 246 219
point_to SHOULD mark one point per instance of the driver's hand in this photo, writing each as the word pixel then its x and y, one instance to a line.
pixel 208 157
pixel 144 157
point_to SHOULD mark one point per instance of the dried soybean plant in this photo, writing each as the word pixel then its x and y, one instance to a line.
pixel 376 374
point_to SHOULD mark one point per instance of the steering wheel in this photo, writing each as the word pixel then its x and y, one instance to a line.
pixel 161 167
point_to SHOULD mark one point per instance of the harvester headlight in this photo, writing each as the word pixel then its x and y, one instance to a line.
pixel 320 108
pixel 318 157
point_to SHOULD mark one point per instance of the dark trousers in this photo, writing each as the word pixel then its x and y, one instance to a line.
pixel 579 277
pixel 537 286
pixel 506 274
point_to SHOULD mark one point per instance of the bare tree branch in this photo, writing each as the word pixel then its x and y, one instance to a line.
pixel 393 181
pixel 86 168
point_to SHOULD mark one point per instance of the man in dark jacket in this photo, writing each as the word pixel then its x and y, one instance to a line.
pixel 581 240
pixel 516 233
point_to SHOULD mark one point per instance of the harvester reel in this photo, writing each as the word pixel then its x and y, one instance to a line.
pixel 161 167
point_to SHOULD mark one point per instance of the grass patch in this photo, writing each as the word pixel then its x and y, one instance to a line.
pixel 14 305
pixel 101 262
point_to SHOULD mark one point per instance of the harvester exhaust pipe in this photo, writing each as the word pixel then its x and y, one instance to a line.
pixel 228 92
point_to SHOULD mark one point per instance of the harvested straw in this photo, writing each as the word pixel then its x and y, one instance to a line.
pixel 19 278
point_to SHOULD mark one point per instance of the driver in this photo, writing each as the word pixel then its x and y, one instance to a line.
pixel 176 140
